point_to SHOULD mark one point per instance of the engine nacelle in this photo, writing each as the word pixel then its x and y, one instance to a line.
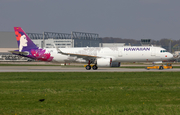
pixel 104 62
pixel 107 62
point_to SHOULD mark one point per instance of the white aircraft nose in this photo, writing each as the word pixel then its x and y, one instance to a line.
pixel 170 56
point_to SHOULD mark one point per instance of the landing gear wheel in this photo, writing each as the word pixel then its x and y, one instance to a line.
pixel 161 67
pixel 94 67
pixel 146 68
pixel 88 67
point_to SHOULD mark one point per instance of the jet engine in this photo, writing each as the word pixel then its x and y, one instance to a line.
pixel 104 62
pixel 107 62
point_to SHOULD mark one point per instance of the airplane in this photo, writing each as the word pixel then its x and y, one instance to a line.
pixel 94 57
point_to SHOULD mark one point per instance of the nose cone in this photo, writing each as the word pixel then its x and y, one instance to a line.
pixel 170 56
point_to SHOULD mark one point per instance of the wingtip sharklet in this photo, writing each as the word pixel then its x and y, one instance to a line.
pixel 58 50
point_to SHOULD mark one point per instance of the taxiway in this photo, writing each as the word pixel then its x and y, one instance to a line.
pixel 75 69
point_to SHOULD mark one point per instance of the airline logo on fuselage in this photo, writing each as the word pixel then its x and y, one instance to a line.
pixel 137 49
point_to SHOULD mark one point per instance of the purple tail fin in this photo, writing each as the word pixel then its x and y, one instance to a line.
pixel 24 42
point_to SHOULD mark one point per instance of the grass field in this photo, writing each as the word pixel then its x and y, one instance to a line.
pixel 131 93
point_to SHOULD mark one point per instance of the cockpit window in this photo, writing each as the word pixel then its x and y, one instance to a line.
pixel 163 51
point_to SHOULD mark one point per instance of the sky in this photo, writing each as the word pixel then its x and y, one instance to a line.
pixel 132 19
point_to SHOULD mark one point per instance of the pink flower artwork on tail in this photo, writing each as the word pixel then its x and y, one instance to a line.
pixel 41 55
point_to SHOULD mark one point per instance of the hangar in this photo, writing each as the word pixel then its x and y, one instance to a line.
pixel 63 40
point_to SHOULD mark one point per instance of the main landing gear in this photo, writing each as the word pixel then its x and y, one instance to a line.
pixel 88 67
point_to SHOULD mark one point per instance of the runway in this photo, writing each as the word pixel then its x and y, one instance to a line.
pixel 75 69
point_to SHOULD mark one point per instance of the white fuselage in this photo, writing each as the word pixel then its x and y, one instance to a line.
pixel 118 54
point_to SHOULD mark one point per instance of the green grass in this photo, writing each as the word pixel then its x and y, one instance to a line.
pixel 134 93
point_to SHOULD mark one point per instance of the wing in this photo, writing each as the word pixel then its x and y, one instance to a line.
pixel 78 55
pixel 86 57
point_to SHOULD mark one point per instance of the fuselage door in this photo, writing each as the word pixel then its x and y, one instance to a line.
pixel 119 52
pixel 153 51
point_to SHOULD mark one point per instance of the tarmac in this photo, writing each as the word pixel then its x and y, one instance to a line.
pixel 76 69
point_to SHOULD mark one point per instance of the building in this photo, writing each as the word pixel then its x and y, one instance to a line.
pixel 111 44
pixel 63 40
pixel 145 42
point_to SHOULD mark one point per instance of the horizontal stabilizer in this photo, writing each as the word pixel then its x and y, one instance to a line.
pixel 19 53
